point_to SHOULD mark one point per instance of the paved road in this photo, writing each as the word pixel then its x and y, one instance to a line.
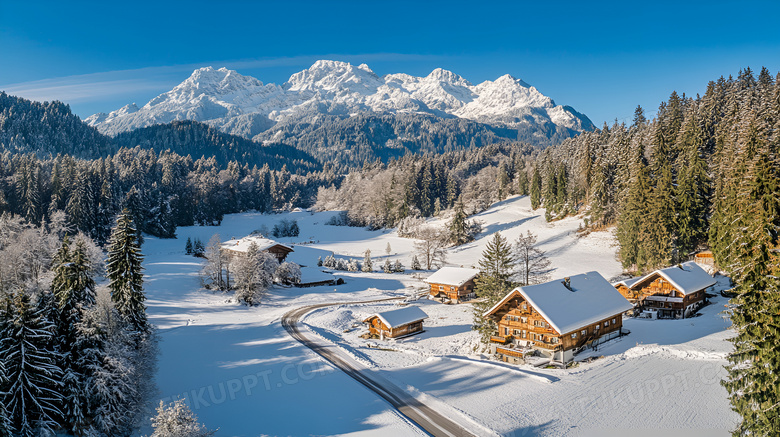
pixel 425 417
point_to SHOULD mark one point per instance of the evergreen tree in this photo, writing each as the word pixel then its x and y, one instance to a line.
pixel 177 420
pixel 73 297
pixel 630 221
pixel 639 116
pixel 32 396
pixel 753 381
pixel 368 266
pixel 522 183
pixel 493 283
pixel 6 316
pixel 536 189
pixel 458 227
pixel 415 263
pixel 188 246
pixel 125 273
pixel 387 267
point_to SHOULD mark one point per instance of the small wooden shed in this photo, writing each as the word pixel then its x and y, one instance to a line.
pixel 397 323
pixel 241 245
pixel 452 283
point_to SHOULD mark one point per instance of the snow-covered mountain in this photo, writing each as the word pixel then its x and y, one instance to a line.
pixel 243 105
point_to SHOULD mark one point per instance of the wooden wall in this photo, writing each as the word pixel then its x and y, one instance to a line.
pixel 541 334
pixel 451 291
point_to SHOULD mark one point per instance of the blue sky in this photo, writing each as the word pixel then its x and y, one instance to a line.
pixel 603 59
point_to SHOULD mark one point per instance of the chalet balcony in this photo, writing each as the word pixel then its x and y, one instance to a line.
pixel 500 339
pixel 519 353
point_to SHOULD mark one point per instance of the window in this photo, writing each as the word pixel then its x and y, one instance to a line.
pixel 613 321
pixel 584 332
pixel 574 335
pixel 554 340
pixel 524 319
pixel 606 324
pixel 525 306
pixel 597 327
pixel 506 331
pixel 524 333
pixel 516 332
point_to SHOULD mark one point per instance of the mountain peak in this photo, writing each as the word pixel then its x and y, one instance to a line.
pixel 442 75
pixel 244 106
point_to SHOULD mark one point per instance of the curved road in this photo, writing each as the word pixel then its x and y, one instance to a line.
pixel 425 417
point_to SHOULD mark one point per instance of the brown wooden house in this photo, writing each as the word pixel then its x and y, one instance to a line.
pixel 241 245
pixel 396 323
pixel 453 283
pixel 556 318
pixel 673 292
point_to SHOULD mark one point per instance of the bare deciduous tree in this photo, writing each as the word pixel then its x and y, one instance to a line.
pixel 432 247
pixel 532 263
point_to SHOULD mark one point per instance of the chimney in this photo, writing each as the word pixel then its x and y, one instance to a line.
pixel 567 283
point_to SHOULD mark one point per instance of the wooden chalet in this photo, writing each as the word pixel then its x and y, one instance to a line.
pixel 557 318
pixel 241 245
pixel 396 323
pixel 705 259
pixel 453 283
pixel 673 292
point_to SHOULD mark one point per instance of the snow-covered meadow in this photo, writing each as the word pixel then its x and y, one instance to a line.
pixel 240 371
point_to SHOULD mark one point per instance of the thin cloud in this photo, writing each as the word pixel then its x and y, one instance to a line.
pixel 95 87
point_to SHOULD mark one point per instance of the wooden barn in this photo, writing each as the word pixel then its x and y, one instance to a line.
pixel 397 323
pixel 673 292
pixel 453 283
pixel 557 318
pixel 241 245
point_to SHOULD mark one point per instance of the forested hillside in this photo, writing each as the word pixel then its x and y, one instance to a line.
pixel 201 140
pixel 47 128
pixel 350 141
pixel 162 191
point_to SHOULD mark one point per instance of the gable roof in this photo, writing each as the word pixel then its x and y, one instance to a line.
pixel 401 316
pixel 242 244
pixel 592 299
pixel 311 275
pixel 687 278
pixel 627 282
pixel 452 276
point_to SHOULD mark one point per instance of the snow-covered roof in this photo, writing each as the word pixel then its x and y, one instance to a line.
pixel 401 316
pixel 312 275
pixel 452 276
pixel 687 277
pixel 242 244
pixel 627 282
pixel 590 300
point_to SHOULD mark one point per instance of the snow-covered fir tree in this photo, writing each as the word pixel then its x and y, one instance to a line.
pixel 368 266
pixel 177 420
pixel 32 395
pixel 125 273
pixel 497 267
pixel 415 265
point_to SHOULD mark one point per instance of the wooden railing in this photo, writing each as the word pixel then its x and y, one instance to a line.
pixel 500 339
pixel 510 352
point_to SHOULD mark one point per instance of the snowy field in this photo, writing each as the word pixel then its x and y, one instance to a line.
pixel 240 371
